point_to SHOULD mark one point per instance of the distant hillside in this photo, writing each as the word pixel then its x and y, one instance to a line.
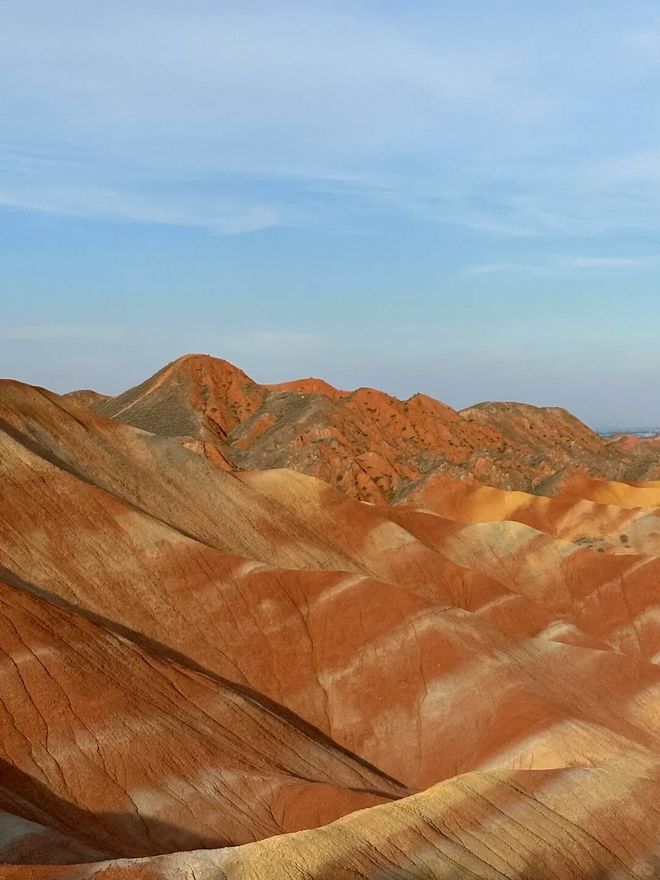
pixel 366 442
pixel 86 396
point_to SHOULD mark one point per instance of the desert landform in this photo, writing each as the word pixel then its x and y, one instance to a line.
pixel 294 632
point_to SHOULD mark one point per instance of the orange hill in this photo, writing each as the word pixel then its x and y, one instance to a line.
pixel 365 442
pixel 220 673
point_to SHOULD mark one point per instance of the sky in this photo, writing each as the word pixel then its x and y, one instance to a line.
pixel 458 198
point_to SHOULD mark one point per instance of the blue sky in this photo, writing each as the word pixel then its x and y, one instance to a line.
pixel 460 198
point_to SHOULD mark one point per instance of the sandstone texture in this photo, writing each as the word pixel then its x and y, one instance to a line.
pixel 215 668
pixel 365 442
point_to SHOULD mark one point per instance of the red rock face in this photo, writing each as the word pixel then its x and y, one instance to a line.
pixel 366 443
pixel 212 672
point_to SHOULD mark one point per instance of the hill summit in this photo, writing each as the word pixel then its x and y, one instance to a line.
pixel 365 442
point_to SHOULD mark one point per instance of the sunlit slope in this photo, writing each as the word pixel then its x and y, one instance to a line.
pixel 366 442
pixel 196 657
pixel 504 825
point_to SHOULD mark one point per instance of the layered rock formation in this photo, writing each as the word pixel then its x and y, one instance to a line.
pixel 504 824
pixel 365 442
pixel 219 673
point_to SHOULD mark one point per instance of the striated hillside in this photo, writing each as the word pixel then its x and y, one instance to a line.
pixel 219 673
pixel 504 824
pixel 365 442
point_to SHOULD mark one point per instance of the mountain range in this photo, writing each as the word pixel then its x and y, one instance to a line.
pixel 293 632
pixel 366 442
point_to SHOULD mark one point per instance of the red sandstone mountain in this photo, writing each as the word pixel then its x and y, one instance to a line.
pixel 222 673
pixel 365 442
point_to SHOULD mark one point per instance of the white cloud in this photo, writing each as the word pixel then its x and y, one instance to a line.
pixel 287 97
pixel 202 211
pixel 314 114
pixel 606 262
pixel 495 268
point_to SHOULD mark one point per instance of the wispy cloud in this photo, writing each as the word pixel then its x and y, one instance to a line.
pixel 37 332
pixel 237 117
pixel 185 206
pixel 496 268
pixel 564 265
pixel 607 263
pixel 221 92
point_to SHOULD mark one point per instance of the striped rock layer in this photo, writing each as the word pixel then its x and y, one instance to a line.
pixel 219 673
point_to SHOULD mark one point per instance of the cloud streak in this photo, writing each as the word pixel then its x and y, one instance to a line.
pixel 564 266
pixel 285 98
pixel 235 118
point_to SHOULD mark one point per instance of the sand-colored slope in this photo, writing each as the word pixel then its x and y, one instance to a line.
pixel 603 525
pixel 595 564
pixel 574 593
pixel 524 825
pixel 643 495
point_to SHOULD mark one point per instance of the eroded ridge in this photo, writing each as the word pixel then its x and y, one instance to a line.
pixel 215 672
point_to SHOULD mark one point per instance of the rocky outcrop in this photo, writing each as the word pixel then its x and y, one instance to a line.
pixel 365 442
